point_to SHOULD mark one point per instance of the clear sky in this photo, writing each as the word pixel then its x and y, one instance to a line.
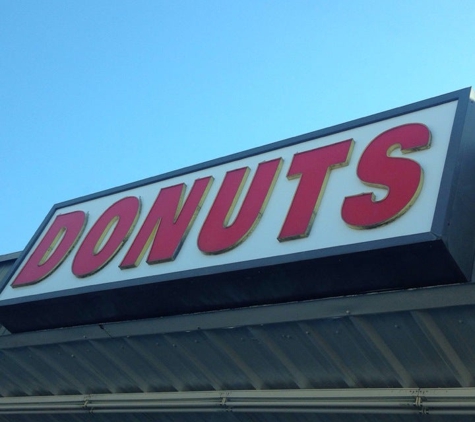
pixel 95 94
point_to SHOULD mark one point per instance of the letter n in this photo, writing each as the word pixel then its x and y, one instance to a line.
pixel 167 224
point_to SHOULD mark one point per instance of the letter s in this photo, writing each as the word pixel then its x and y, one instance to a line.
pixel 402 177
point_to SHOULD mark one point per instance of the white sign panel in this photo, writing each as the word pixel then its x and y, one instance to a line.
pixel 373 182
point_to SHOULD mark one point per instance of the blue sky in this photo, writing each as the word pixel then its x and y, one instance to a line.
pixel 97 94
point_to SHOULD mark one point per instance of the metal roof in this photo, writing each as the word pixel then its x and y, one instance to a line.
pixel 6 262
pixel 394 356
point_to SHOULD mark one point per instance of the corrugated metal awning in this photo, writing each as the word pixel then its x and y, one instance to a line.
pixel 384 356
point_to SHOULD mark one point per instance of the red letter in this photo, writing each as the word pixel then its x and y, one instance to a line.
pixel 106 236
pixel 216 235
pixel 402 177
pixel 53 248
pixel 313 167
pixel 167 224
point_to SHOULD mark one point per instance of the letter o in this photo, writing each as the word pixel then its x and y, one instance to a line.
pixel 106 236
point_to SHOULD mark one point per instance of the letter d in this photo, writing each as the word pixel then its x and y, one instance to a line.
pixel 53 248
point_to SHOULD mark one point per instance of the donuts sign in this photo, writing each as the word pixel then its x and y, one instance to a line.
pixel 366 185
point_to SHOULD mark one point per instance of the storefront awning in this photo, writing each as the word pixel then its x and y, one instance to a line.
pixel 382 356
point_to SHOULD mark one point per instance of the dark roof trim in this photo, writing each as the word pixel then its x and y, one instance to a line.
pixel 374 303
pixel 10 256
